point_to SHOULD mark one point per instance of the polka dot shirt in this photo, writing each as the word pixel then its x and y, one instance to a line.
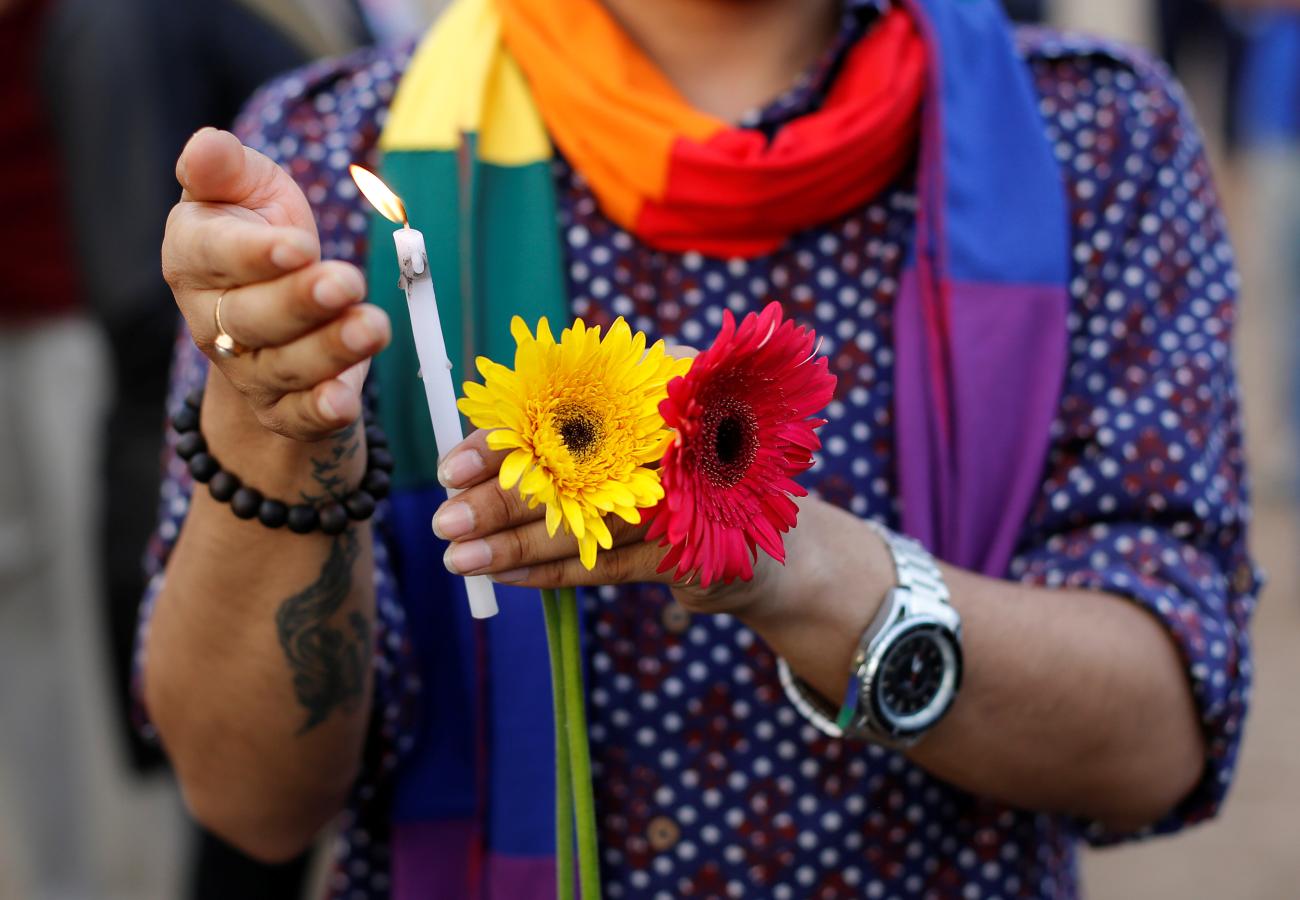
pixel 708 783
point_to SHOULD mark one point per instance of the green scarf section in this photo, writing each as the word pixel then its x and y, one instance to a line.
pixel 466 151
pixel 494 252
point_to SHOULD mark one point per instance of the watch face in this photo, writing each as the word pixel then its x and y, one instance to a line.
pixel 916 680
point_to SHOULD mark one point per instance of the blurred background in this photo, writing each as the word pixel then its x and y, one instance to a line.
pixel 97 98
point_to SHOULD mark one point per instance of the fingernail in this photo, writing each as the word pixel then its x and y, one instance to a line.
pixel 290 255
pixel 363 331
pixel 514 576
pixel 326 408
pixel 467 557
pixel 453 520
pixel 332 292
pixel 460 468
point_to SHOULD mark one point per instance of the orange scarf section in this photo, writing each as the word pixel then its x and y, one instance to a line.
pixel 683 180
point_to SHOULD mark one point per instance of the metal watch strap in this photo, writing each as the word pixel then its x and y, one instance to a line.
pixel 915 572
pixel 914 567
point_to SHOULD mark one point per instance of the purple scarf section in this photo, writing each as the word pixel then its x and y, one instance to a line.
pixel 980 339
pixel 431 862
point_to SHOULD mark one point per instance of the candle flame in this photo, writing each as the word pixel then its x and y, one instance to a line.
pixel 380 195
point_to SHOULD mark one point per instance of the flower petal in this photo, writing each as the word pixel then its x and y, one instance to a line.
pixel 587 552
pixel 513 467
pixel 573 516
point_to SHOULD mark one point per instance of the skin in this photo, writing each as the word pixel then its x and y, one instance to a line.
pixel 1072 701
pixel 765 46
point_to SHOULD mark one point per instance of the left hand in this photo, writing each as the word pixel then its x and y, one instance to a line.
pixel 493 532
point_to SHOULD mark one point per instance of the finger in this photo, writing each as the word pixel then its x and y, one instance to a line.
pixel 317 413
pixel 525 546
pixel 271 313
pixel 630 564
pixel 471 462
pixel 215 167
pixel 357 334
pixel 210 247
pixel 483 510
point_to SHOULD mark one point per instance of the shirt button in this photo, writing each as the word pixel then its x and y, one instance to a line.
pixel 1243 579
pixel 675 617
pixel 663 833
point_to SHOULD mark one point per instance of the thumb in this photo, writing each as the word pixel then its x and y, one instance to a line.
pixel 215 167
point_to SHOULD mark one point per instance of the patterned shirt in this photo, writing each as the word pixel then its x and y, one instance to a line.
pixel 708 783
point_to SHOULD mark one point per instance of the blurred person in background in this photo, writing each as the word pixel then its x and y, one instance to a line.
pixel 396 21
pixel 1204 34
pixel 1028 11
pixel 1107 646
pixel 57 764
pixel 1268 122
pixel 127 83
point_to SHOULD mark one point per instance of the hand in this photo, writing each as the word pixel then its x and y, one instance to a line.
pixel 493 532
pixel 243 228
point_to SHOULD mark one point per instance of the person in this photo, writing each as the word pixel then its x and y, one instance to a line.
pixel 1025 10
pixel 1013 254
pixel 1268 123
pixel 1206 33
pixel 54 778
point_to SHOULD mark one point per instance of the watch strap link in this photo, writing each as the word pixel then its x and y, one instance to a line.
pixel 914 567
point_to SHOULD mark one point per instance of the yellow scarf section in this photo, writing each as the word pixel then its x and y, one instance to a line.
pixel 462 81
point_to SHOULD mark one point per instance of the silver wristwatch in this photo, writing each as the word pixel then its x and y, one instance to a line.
pixel 907 669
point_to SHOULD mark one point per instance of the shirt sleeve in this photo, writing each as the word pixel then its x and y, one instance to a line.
pixel 292 121
pixel 1145 492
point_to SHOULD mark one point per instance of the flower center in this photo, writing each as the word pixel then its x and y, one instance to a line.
pixel 730 440
pixel 580 430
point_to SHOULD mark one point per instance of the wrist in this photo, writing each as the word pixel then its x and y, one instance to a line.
pixel 838 571
pixel 279 466
pixel 839 574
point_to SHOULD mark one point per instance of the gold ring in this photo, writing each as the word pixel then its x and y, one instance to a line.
pixel 227 346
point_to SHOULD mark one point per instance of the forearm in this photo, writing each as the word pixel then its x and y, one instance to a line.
pixel 1072 701
pixel 257 666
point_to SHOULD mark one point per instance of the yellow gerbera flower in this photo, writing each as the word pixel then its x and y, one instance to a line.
pixel 581 419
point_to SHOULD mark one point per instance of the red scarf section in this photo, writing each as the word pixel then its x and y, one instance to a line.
pixel 681 180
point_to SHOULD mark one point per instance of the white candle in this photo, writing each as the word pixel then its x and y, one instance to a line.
pixel 435 368
pixel 430 346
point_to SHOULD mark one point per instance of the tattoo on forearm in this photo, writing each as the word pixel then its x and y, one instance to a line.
pixel 327 471
pixel 328 659
pixel 328 662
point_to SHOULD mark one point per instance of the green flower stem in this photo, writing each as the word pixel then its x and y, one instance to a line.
pixel 563 781
pixel 584 801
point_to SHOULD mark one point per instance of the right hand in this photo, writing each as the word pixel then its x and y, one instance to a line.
pixel 243 228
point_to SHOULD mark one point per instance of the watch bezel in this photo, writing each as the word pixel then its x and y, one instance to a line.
pixel 918 723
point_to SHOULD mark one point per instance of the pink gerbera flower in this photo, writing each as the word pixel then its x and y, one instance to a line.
pixel 745 428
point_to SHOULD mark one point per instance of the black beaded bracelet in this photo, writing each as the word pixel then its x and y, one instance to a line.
pixel 248 503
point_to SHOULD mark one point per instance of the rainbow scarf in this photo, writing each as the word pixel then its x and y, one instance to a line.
pixel 980 338
pixel 683 180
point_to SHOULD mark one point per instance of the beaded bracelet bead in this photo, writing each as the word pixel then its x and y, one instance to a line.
pixel 248 503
